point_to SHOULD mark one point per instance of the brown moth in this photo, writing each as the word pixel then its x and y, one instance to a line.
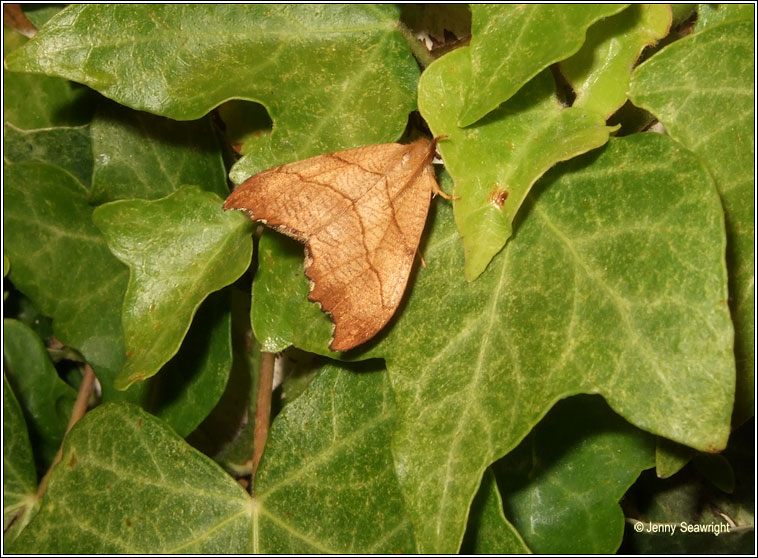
pixel 360 213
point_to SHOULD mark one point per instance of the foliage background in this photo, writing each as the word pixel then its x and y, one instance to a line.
pixel 570 361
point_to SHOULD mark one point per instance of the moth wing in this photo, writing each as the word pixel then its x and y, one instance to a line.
pixel 361 213
pixel 300 198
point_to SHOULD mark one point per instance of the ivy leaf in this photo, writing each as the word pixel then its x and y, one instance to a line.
pixel 124 474
pixel 681 12
pixel 670 457
pixel 138 155
pixel 47 400
pixel 226 434
pixel 562 485
pixel 489 532
pixel 713 14
pixel 280 312
pixel 68 147
pixel 192 382
pixel 511 44
pixel 326 482
pixel 707 73
pixel 345 78
pixel 242 122
pixel 180 249
pixel 600 71
pixel 495 163
pixel 717 469
pixel 128 484
pixel 355 88
pixel 31 101
pixel 614 284
pixel 39 14
pixel 62 263
pixel 19 475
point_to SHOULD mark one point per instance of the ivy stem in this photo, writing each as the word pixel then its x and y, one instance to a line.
pixel 262 410
pixel 80 407
pixel 417 48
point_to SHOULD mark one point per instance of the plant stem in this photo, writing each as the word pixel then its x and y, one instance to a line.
pixel 262 410
pixel 80 407
pixel 417 48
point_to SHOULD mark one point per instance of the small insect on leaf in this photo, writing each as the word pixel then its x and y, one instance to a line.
pixel 360 213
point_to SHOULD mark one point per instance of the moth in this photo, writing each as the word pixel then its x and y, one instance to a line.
pixel 360 213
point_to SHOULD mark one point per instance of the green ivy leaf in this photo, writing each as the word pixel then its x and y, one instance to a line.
pixel 495 163
pixel 47 400
pixel 227 433
pixel 684 85
pixel 128 484
pixel 614 284
pixel 670 457
pixel 280 312
pixel 511 44
pixel 243 122
pixel 326 482
pixel 330 78
pixel 489 532
pixel 68 147
pixel 22 309
pixel 138 155
pixel 124 474
pixel 600 71
pixel 717 469
pixel 39 14
pixel 713 14
pixel 562 485
pixel 192 382
pixel 62 263
pixel 356 88
pixel 31 101
pixel 180 249
pixel 19 475
pixel 681 12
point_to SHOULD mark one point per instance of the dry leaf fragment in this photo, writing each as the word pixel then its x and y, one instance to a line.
pixel 360 213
